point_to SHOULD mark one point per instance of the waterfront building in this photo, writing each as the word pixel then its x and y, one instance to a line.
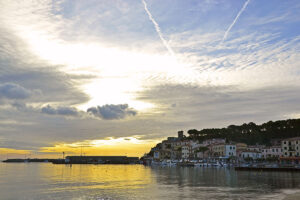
pixel 185 151
pixel 203 154
pixel 240 147
pixel 291 147
pixel 230 150
pixel 165 154
pixel 224 150
pixel 271 152
pixel 257 148
pixel 250 154
pixel 176 153
pixel 156 155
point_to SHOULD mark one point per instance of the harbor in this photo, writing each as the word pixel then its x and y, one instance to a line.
pixel 81 160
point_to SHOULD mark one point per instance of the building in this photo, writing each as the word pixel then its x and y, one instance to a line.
pixel 156 155
pixel 185 151
pixel 214 141
pixel 255 148
pixel 271 152
pixel 172 139
pixel 180 135
pixel 240 147
pixel 291 147
pixel 224 150
pixel 230 150
pixel 250 154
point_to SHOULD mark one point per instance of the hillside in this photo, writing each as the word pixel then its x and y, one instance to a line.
pixel 251 133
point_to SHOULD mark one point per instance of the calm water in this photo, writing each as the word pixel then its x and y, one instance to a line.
pixel 48 181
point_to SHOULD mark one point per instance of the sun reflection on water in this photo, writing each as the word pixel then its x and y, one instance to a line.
pixel 97 176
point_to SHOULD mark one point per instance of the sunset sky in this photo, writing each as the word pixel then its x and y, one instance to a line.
pixel 114 77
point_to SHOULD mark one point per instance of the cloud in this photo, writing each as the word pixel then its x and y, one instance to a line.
pixel 13 91
pixel 202 107
pixel 66 111
pixel 111 111
pixel 157 28
pixel 234 21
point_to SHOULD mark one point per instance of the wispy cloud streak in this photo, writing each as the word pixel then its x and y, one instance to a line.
pixel 157 28
pixel 234 21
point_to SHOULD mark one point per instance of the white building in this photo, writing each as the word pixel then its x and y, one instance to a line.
pixel 291 147
pixel 185 152
pixel 250 154
pixel 255 148
pixel 230 150
pixel 274 151
pixel 224 150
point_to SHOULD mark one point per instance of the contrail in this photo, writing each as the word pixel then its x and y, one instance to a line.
pixel 156 26
pixel 234 21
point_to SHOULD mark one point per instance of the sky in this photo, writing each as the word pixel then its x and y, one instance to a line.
pixel 115 77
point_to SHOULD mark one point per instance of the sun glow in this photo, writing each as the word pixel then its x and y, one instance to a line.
pixel 13 151
pixel 129 146
pixel 119 73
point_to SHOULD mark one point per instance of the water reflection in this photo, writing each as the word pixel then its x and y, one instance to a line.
pixel 226 178
pixel 48 181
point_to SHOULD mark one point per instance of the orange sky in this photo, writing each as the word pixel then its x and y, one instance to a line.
pixel 129 146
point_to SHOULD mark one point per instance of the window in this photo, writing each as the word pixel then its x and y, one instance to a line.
pixel 284 142
pixel 273 150
pixel 285 148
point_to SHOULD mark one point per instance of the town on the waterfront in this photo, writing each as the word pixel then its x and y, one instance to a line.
pixel 274 149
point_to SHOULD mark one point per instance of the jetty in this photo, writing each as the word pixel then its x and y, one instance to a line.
pixel 98 160
pixel 275 168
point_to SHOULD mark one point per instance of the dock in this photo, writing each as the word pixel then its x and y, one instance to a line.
pixel 274 169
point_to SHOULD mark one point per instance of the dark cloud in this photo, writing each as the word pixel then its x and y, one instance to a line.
pixel 67 111
pixel 202 107
pixel 111 111
pixel 13 91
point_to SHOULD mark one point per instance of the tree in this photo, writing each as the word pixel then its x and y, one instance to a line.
pixel 193 133
pixel 202 149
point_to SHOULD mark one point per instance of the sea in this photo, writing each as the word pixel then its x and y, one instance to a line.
pixel 107 182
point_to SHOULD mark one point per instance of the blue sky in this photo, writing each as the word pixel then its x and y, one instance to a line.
pixel 87 72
